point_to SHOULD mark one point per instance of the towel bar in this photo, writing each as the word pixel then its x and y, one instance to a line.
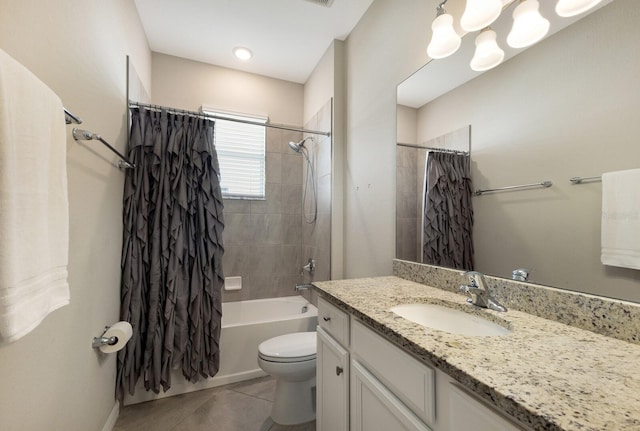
pixel 85 135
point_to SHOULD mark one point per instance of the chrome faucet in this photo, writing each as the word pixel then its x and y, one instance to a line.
pixel 479 292
pixel 520 274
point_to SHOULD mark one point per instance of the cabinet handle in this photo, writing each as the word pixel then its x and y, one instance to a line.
pixel 339 370
pixel 326 319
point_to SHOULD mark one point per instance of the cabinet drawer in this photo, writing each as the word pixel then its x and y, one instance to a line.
pixel 334 321
pixel 409 379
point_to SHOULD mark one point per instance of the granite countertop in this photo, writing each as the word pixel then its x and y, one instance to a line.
pixel 548 375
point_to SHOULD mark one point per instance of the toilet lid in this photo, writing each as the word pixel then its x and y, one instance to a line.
pixel 298 345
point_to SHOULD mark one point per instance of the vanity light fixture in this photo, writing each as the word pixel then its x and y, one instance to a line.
pixel 479 14
pixel 242 53
pixel 567 8
pixel 529 27
pixel 444 41
pixel 488 54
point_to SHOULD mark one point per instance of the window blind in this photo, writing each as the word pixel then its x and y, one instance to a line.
pixel 241 155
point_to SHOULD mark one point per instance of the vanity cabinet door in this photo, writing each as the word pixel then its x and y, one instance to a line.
pixel 332 404
pixel 467 413
pixel 375 408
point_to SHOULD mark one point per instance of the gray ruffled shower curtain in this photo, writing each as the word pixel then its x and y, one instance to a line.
pixel 448 211
pixel 172 251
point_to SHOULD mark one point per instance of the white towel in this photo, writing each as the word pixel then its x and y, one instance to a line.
pixel 34 207
pixel 621 219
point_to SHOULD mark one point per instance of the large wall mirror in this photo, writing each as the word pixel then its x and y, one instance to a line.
pixel 568 106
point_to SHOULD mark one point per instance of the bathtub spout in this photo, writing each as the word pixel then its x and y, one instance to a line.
pixel 300 287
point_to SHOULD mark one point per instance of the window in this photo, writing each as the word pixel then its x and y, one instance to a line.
pixel 241 155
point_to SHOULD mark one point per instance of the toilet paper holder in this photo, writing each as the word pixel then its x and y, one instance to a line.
pixel 102 340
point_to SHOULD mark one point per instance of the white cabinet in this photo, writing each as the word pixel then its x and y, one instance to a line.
pixel 375 408
pixel 466 412
pixel 366 383
pixel 333 385
pixel 332 374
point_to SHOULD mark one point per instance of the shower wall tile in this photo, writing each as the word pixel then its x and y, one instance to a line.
pixel 266 229
pixel 292 168
pixel 236 295
pixel 290 259
pixel 235 231
pixel 405 238
pixel 236 206
pixel 273 169
pixel 406 156
pixel 236 261
pixel 291 229
pixel 292 198
pixel 275 141
pixel 272 203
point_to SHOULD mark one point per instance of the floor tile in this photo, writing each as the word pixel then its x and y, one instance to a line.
pixel 227 411
pixel 263 388
pixel 162 414
pixel 243 406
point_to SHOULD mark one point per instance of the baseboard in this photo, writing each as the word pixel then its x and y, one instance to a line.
pixel 181 386
pixel 113 418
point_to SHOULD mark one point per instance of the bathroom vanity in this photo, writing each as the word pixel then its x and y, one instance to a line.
pixel 379 371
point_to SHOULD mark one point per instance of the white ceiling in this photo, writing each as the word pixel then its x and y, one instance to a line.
pixel 287 37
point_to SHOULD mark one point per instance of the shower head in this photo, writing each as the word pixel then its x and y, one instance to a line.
pixel 297 146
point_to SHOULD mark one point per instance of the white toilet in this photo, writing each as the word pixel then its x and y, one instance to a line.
pixel 291 359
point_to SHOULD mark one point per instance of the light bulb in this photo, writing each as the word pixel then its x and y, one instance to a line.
pixel 488 54
pixel 242 53
pixel 528 25
pixel 479 14
pixel 567 8
pixel 444 41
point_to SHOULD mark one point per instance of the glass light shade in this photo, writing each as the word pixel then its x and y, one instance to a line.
pixel 478 14
pixel 567 8
pixel 444 41
pixel 488 54
pixel 528 25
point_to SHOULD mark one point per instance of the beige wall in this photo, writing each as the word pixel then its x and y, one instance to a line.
pixel 387 45
pixel 188 84
pixel 567 107
pixel 52 379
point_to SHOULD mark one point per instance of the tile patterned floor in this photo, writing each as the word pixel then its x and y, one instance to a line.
pixel 243 406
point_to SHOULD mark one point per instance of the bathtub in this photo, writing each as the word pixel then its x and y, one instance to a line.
pixel 245 324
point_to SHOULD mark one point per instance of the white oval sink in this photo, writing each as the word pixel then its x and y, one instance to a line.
pixel 449 320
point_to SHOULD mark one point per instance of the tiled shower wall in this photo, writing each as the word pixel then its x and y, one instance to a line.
pixel 407 206
pixel 267 241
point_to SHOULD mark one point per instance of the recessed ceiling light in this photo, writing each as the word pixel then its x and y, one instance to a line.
pixel 242 53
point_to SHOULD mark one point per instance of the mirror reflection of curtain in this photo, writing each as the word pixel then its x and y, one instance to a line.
pixel 448 211
pixel 172 251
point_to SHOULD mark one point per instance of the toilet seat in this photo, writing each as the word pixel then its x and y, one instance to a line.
pixel 295 347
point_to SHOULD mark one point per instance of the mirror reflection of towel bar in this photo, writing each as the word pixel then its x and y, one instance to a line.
pixel 544 184
pixel 580 180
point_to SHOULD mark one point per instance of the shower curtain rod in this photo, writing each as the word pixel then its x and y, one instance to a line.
pixel 216 117
pixel 442 150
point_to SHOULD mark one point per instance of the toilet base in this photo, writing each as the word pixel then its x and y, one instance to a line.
pixel 295 402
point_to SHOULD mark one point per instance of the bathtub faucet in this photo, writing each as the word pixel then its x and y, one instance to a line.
pixel 300 287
